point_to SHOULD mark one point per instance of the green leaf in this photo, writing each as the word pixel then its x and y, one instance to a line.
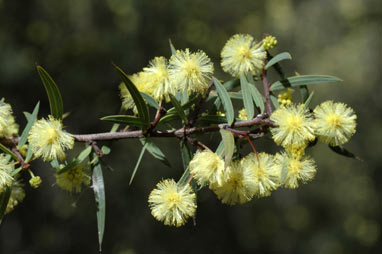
pixel 185 106
pixel 186 154
pixel 31 120
pixel 4 198
pixel 143 111
pixel 77 160
pixel 150 100
pixel 29 154
pixel 274 101
pixel 229 145
pixel 231 84
pixel 256 95
pixel 278 58
pixel 99 192
pixel 303 80
pixel 173 50
pixel 155 151
pixel 8 151
pixel 54 95
pixel 212 119
pixel 304 92
pixel 168 118
pixel 247 96
pixel 105 150
pixel 220 149
pixel 227 104
pixel 138 163
pixel 125 119
pixel 344 152
pixel 309 100
pixel 178 109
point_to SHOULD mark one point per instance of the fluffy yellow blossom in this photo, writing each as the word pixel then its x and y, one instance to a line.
pixel 243 114
pixel 171 203
pixel 8 126
pixel 48 140
pixel 285 97
pixel 158 79
pixel 17 196
pixel 265 179
pixel 292 170
pixel 242 54
pixel 190 72
pixel 335 123
pixel 237 186
pixel 207 168
pixel 269 42
pixel 73 179
pixel 5 170
pixel 295 125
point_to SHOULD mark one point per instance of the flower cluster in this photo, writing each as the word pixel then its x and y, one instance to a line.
pixel 73 179
pixel 48 140
pixel 8 126
pixel 184 72
pixel 241 54
pixel 171 203
pixel 333 123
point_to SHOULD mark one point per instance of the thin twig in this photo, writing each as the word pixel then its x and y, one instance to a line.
pixel 258 120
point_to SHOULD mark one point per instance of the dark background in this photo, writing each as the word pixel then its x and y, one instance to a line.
pixel 76 41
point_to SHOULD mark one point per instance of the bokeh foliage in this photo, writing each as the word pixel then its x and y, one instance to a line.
pixel 339 212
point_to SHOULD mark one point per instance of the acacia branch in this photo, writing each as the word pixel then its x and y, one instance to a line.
pixel 261 120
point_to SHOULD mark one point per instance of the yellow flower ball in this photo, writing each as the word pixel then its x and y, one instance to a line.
pixel 207 168
pixel 172 204
pixel 335 123
pixel 48 140
pixel 295 125
pixel 242 54
pixel 190 72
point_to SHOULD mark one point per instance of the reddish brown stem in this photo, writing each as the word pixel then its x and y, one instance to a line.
pixel 254 150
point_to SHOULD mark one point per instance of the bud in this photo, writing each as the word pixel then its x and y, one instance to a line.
pixel 35 182
pixel 269 42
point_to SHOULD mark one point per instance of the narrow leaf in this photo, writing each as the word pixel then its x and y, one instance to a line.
pixel 31 120
pixel 274 101
pixel 344 152
pixel 155 151
pixel 304 92
pixel 150 100
pixel 4 198
pixel 76 160
pixel 8 151
pixel 303 80
pixel 99 192
pixel 186 154
pixel 143 111
pixel 125 119
pixel 168 118
pixel 278 58
pixel 178 108
pixel 173 50
pixel 54 95
pixel 309 100
pixel 138 163
pixel 231 84
pixel 256 95
pixel 227 104
pixel 229 145
pixel 247 96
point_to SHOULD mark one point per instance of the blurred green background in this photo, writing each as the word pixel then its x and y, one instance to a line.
pixel 76 41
